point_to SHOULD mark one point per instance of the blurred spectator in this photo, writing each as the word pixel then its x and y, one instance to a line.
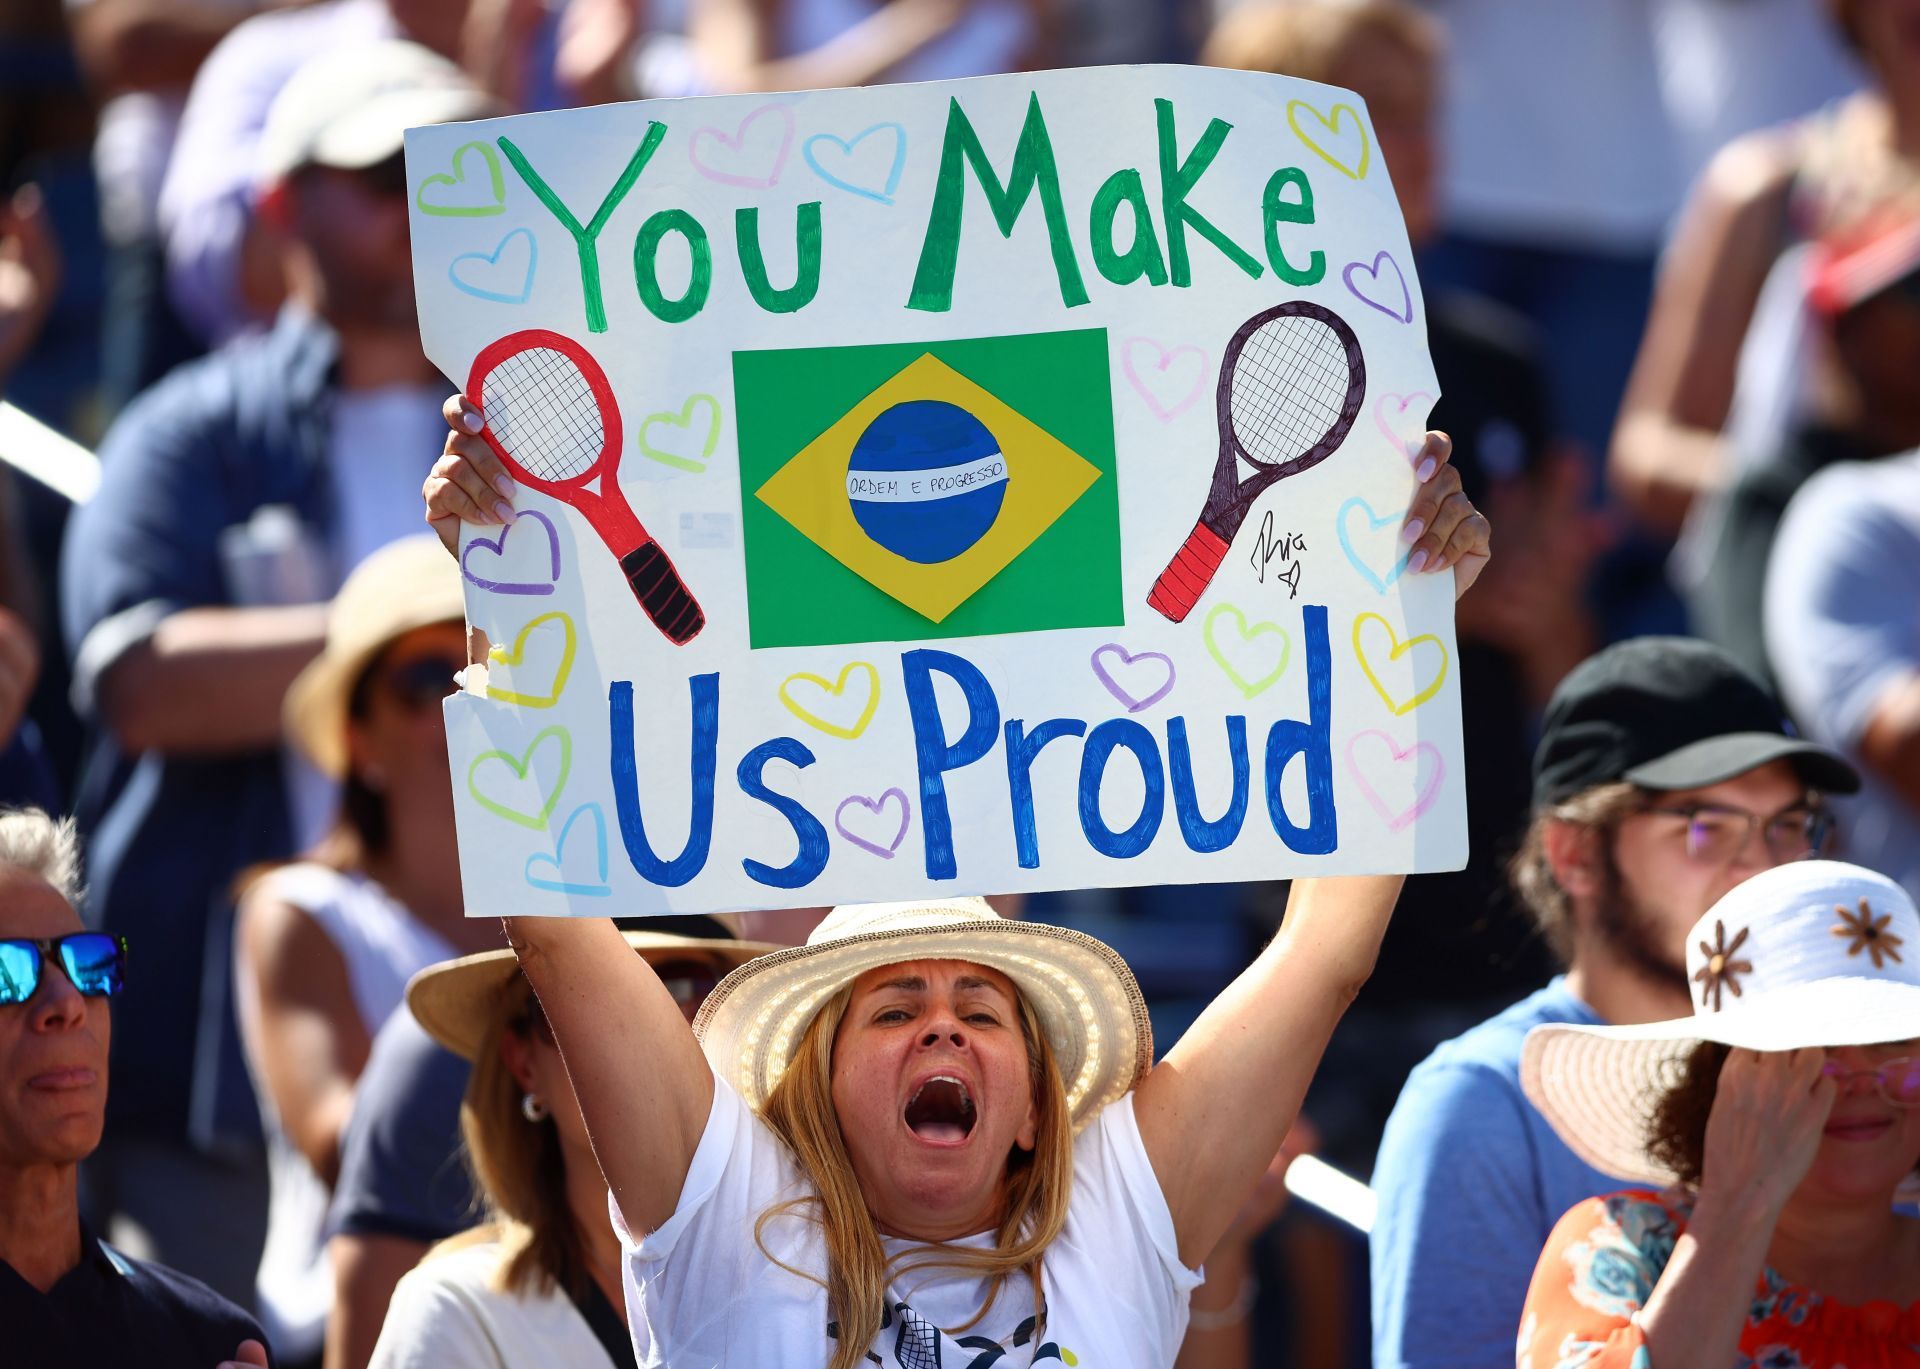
pixel 236 495
pixel 66 1297
pixel 1665 776
pixel 1680 434
pixel 1864 284
pixel 223 263
pixel 326 945
pixel 1843 631
pixel 140 56
pixel 539 1283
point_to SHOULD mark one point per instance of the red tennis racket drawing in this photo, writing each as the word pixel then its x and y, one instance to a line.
pixel 1290 387
pixel 552 419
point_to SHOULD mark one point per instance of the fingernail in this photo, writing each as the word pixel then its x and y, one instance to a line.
pixel 504 485
pixel 1417 560
pixel 472 421
pixel 1427 468
pixel 503 511
pixel 1411 532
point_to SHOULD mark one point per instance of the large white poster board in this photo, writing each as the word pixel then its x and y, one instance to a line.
pixel 977 486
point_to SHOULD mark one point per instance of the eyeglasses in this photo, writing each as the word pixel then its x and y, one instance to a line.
pixel 93 962
pixel 423 682
pixel 1719 836
pixel 1897 1081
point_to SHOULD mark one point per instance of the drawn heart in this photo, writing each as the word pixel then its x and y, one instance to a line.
pixel 823 715
pixel 1170 380
pixel 1324 129
pixel 1397 289
pixel 506 659
pixel 853 170
pixel 504 275
pixel 1248 685
pixel 674 439
pixel 453 197
pixel 752 156
pixel 560 882
pixel 1381 534
pixel 525 781
pixel 1402 420
pixel 1134 698
pixel 1397 649
pixel 1421 779
pixel 875 810
pixel 496 547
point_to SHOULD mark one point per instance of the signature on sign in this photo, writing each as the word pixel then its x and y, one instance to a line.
pixel 1285 548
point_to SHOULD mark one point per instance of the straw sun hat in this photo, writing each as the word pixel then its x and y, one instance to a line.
pixel 456 1000
pixel 407 584
pixel 1080 989
pixel 1815 953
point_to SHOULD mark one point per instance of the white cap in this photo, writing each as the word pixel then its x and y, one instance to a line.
pixel 351 108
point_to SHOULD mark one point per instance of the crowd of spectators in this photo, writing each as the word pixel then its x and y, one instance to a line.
pixel 1671 255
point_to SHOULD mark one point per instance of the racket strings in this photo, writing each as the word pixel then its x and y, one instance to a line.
pixel 1289 388
pixel 544 414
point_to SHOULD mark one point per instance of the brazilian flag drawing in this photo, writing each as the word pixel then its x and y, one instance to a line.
pixel 923 490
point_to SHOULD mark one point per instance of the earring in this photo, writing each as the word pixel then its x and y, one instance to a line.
pixel 532 1109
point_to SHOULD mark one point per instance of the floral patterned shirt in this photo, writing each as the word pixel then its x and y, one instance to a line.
pixel 1603 1260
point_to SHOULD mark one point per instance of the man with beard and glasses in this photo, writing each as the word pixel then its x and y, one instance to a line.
pixel 1665 776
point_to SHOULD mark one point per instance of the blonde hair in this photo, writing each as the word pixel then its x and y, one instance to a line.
pixel 517 1166
pixel 1311 38
pixel 43 846
pixel 1039 1183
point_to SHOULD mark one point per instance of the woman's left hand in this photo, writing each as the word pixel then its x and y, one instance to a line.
pixel 1443 526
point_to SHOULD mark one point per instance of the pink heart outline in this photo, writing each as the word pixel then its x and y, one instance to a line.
pixel 874 806
pixel 1165 413
pixel 1403 403
pixel 498 546
pixel 1403 314
pixel 1422 802
pixel 736 142
pixel 1129 658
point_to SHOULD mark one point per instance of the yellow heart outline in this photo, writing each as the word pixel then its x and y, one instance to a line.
pixel 1400 649
pixel 837 688
pixel 683 419
pixel 1332 125
pixel 514 655
pixel 521 766
pixel 1248 631
pixel 496 181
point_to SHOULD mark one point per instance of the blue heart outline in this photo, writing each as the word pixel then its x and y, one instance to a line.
pixel 1346 543
pixel 493 259
pixel 847 145
pixel 562 885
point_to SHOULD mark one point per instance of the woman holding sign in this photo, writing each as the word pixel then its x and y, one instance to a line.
pixel 933 1136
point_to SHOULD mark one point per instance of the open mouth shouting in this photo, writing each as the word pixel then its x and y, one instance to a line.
pixel 941 1111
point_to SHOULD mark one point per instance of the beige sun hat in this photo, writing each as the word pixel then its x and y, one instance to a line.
pixel 1814 953
pixel 455 1000
pixel 1081 990
pixel 407 584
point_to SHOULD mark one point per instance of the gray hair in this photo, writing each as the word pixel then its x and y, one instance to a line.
pixel 43 846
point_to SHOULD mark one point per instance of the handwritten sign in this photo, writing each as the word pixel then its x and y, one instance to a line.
pixel 978 486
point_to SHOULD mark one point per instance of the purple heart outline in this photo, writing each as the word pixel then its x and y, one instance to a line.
pixel 1129 658
pixel 1402 314
pixel 498 546
pixel 874 806
pixel 736 142
pixel 1422 801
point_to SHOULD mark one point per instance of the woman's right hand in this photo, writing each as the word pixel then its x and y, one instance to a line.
pixel 1769 1113
pixel 468 484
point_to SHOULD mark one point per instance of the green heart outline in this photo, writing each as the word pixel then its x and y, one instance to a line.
pixel 683 419
pixel 495 178
pixel 521 766
pixel 1248 631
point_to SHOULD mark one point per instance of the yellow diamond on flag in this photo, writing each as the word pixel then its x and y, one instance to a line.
pixel 876 492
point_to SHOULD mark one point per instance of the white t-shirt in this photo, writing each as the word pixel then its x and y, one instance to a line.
pixel 447 1314
pixel 700 1294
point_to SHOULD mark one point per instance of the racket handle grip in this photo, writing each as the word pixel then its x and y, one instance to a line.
pixel 1189 573
pixel 662 593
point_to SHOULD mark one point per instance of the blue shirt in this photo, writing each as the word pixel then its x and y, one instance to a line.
pixel 1471 1180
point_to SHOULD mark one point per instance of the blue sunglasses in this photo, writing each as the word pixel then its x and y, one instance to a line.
pixel 94 962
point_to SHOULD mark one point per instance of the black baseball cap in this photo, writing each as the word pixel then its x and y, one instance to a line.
pixel 1669 713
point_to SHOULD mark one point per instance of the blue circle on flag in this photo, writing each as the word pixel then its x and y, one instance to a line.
pixel 926 480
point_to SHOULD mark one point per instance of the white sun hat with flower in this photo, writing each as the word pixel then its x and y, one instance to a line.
pixel 1814 953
